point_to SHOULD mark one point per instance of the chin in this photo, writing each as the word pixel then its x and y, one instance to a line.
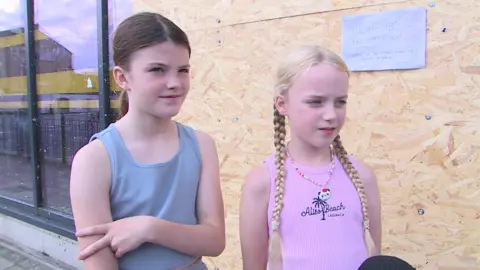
pixel 320 143
pixel 165 113
pixel 172 113
pixel 165 110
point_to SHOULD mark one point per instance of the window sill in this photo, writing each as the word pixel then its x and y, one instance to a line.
pixel 46 219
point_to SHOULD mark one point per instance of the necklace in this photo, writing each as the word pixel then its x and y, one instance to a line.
pixel 324 193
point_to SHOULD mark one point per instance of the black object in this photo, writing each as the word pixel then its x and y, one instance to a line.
pixel 385 262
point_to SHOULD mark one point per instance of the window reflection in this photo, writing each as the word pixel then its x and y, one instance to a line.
pixel 118 10
pixel 16 178
pixel 67 88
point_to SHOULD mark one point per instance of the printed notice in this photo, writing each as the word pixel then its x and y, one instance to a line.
pixel 385 40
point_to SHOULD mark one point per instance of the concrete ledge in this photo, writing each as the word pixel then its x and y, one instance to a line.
pixel 40 242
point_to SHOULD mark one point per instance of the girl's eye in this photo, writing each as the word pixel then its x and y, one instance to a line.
pixel 156 69
pixel 315 102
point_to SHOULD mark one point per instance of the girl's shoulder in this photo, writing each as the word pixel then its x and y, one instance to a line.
pixel 257 182
pixel 201 136
pixel 365 171
pixel 259 179
pixel 205 144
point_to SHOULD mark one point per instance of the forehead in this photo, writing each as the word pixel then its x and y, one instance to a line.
pixel 167 53
pixel 322 79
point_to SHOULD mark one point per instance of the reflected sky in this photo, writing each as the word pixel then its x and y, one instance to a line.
pixel 71 23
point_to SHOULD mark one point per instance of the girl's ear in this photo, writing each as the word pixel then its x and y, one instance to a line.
pixel 281 105
pixel 120 78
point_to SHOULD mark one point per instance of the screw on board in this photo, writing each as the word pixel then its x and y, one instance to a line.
pixel 432 4
pixel 428 116
pixel 421 212
pixel 218 20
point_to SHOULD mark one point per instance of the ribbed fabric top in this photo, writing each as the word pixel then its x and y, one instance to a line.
pixel 318 234
pixel 166 190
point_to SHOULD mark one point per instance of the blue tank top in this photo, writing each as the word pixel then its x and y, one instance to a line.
pixel 166 190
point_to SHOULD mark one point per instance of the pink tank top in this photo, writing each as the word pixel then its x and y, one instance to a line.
pixel 318 234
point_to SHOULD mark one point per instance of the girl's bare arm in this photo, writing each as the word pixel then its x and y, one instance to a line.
pixel 369 179
pixel 90 199
pixel 253 219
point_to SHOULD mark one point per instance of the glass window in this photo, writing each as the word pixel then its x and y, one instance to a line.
pixel 118 10
pixel 67 87
pixel 16 179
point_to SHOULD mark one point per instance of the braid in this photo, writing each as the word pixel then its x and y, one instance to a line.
pixel 353 174
pixel 275 249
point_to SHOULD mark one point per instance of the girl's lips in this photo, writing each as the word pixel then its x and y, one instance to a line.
pixel 327 131
pixel 170 96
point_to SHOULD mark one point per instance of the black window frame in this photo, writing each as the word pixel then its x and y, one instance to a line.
pixel 36 214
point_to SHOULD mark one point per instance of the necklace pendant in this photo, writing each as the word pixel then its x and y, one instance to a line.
pixel 324 194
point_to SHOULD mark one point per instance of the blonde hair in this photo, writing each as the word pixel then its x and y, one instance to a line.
pixel 290 66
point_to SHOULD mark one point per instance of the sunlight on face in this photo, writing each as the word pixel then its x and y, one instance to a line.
pixel 159 79
pixel 316 104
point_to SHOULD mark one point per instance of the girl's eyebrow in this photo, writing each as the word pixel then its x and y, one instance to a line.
pixel 320 96
pixel 165 65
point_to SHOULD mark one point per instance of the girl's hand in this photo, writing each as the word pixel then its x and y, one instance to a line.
pixel 121 236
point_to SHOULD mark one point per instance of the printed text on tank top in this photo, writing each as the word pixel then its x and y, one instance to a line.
pixel 319 201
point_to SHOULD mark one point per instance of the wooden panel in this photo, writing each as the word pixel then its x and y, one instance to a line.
pixel 194 14
pixel 430 165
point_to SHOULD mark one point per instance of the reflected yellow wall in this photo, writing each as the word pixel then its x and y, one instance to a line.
pixel 65 82
pixel 55 104
pixel 19 39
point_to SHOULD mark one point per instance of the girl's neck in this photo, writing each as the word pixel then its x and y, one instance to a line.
pixel 144 126
pixel 308 155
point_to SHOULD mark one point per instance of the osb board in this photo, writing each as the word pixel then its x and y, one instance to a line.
pixel 432 165
pixel 195 14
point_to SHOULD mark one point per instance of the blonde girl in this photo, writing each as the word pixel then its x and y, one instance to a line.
pixel 310 205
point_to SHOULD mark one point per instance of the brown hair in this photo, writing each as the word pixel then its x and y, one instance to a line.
pixel 290 67
pixel 142 30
